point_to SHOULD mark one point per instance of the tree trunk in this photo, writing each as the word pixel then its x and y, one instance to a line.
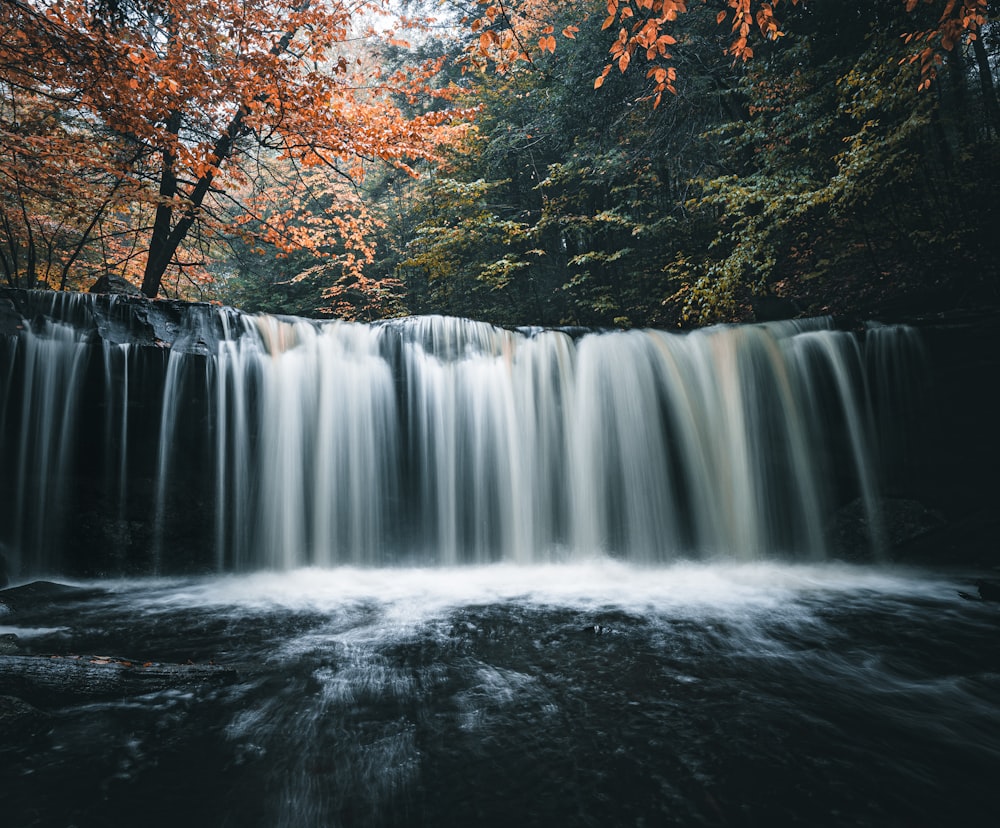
pixel 29 237
pixel 159 255
pixel 9 262
pixel 85 236
pixel 986 83
pixel 959 110
pixel 164 243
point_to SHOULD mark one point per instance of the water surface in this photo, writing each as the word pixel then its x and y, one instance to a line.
pixel 592 694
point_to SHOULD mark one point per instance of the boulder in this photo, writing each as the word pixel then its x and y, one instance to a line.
pixel 903 521
pixel 20 720
pixel 112 283
pixel 39 593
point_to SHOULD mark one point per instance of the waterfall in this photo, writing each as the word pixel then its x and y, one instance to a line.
pixel 266 442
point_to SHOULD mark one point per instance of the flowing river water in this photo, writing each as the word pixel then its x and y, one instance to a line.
pixel 461 576
pixel 593 694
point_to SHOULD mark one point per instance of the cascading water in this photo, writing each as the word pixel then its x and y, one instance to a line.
pixel 52 374
pixel 651 635
pixel 445 441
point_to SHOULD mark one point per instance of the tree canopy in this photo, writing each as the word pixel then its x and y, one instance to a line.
pixel 608 162
pixel 189 108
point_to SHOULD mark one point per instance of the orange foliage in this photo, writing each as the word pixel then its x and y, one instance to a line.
pixel 642 33
pixel 134 144
pixel 958 22
pixel 202 98
pixel 510 31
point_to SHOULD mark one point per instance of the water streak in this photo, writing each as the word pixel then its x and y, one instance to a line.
pixel 443 441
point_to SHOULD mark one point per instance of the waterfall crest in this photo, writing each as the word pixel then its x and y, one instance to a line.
pixel 266 442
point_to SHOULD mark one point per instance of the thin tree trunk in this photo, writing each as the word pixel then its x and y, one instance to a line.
pixel 30 252
pixel 9 263
pixel 876 267
pixel 85 237
pixel 959 110
pixel 159 252
pixel 986 82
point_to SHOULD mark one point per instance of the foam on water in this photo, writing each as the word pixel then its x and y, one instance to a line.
pixel 29 632
pixel 413 595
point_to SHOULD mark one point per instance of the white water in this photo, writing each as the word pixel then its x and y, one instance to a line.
pixel 445 442
pixel 53 369
pixel 461 443
pixel 405 598
pixel 689 694
pixel 628 649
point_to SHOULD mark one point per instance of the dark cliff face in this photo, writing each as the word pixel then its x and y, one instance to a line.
pixel 955 467
pixel 90 487
pixel 78 489
pixel 190 327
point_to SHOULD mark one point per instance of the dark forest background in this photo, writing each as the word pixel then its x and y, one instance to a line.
pixel 815 178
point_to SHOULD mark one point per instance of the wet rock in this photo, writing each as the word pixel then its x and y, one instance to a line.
pixel 985 591
pixel 62 679
pixel 899 522
pixel 908 519
pixel 968 539
pixel 110 283
pixel 114 313
pixel 41 592
pixel 20 720
pixel 10 320
pixel 771 308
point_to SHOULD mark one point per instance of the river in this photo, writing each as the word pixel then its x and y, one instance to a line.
pixel 593 693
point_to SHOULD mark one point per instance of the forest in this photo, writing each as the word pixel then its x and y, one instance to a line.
pixel 587 162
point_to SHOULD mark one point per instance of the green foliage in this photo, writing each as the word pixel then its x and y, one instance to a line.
pixel 555 214
pixel 840 165
pixel 817 172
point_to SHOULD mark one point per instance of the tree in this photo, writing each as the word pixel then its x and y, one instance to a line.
pixel 202 96
pixel 49 231
pixel 822 170
pixel 642 33
pixel 553 215
pixel 840 185
pixel 141 136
